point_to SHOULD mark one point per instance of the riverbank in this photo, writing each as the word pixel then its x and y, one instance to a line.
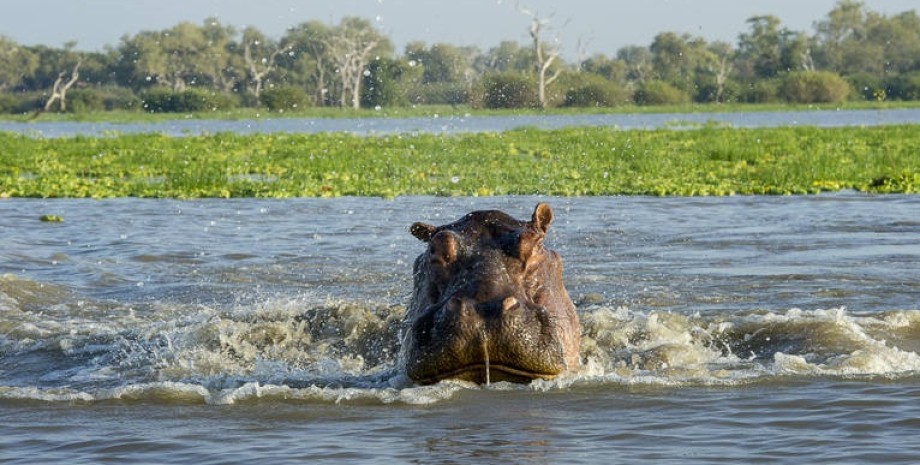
pixel 433 111
pixel 571 162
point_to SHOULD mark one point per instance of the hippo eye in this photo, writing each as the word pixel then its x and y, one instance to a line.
pixel 529 247
pixel 535 258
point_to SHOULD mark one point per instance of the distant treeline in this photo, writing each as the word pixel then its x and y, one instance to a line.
pixel 853 54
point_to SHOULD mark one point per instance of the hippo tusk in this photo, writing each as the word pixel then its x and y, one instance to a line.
pixel 485 355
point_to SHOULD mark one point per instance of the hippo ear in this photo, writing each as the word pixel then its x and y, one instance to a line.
pixel 423 231
pixel 542 217
pixel 444 247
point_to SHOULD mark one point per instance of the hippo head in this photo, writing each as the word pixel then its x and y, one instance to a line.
pixel 489 303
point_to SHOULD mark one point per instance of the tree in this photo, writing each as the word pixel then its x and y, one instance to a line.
pixel 441 63
pixel 308 63
pixel 16 62
pixel 60 86
pixel 670 53
pixel 507 56
pixel 164 57
pixel 795 52
pixel 215 62
pixel 853 40
pixel 545 55
pixel 899 37
pixel 184 55
pixel 611 69
pixel 844 27
pixel 385 81
pixel 769 51
pixel 760 50
pixel 176 58
pixel 720 66
pixel 351 45
pixel 266 53
pixel 638 62
pixel 677 59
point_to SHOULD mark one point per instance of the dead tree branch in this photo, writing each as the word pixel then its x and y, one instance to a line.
pixel 60 87
pixel 545 55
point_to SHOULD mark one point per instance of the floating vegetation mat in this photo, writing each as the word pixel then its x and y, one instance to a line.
pixel 579 161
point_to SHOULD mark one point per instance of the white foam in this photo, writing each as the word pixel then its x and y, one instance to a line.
pixel 45 395
pixel 299 350
pixel 660 348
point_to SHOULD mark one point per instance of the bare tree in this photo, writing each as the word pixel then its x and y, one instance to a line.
pixel 808 62
pixel 545 55
pixel 60 87
pixel 722 73
pixel 260 69
pixel 351 46
pixel 721 64
pixel 581 51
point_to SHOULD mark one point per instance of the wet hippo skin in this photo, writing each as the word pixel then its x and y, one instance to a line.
pixel 489 303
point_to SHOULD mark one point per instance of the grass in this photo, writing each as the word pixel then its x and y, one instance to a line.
pixel 575 161
pixel 427 111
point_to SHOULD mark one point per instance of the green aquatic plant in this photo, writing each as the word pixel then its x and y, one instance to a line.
pixel 708 160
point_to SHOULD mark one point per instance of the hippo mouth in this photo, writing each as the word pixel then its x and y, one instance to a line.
pixel 485 343
pixel 483 373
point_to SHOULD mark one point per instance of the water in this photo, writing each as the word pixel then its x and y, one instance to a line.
pixel 716 330
pixel 457 124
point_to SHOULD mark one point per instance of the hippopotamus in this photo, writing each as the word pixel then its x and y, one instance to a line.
pixel 489 303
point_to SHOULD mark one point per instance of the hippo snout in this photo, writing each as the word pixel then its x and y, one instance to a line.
pixel 497 340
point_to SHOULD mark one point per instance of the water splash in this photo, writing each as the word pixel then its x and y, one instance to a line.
pixel 57 346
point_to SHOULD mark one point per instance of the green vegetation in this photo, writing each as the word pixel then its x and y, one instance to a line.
pixel 853 54
pixel 580 161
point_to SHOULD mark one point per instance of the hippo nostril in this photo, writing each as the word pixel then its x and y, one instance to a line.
pixel 454 304
pixel 461 308
pixel 509 303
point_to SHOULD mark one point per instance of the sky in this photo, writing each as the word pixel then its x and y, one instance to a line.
pixel 581 27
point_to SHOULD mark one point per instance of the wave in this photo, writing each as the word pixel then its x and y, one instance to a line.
pixel 58 346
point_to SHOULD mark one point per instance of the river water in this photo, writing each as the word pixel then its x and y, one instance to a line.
pixel 716 330
pixel 457 124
